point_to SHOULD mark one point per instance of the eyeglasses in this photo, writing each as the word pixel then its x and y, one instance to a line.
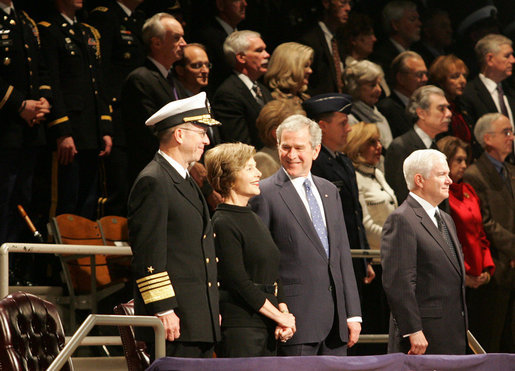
pixel 202 133
pixel 505 132
pixel 198 65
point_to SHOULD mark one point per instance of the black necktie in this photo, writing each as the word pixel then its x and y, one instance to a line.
pixel 445 233
pixel 502 105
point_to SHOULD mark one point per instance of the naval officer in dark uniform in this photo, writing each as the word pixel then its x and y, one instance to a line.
pixel 72 51
pixel 171 236
pixel 121 43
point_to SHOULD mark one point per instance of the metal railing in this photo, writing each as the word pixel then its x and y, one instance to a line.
pixel 41 248
pixel 110 320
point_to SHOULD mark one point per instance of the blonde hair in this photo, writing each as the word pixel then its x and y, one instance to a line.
pixel 272 114
pixel 223 162
pixel 285 74
pixel 360 134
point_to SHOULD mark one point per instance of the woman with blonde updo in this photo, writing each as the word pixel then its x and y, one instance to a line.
pixel 254 315
pixel 288 71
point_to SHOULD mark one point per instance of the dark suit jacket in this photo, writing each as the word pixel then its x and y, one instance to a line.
pixel 341 173
pixel 312 284
pixel 170 231
pixel 395 112
pixel 323 79
pixel 145 91
pixel 498 211
pixel 477 101
pixel 237 109
pixel 384 53
pixel 424 283
pixel 399 149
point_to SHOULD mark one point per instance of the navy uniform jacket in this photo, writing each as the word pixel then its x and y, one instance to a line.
pixel 22 76
pixel 174 262
pixel 73 56
pixel 122 51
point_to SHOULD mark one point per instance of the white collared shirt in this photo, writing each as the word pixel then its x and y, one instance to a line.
pixel 298 184
pixel 181 170
pixel 398 46
pixel 491 86
pixel 428 208
pixel 160 67
pixel 7 8
pixel 69 20
pixel 426 139
pixel 125 9
pixel 226 26
pixel 247 81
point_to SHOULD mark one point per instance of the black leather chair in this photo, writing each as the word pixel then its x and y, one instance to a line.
pixel 135 351
pixel 31 333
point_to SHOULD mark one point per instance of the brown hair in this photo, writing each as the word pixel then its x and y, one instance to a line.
pixel 449 146
pixel 223 162
pixel 442 67
pixel 360 134
pixel 271 116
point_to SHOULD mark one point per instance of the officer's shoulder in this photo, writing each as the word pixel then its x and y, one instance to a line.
pixel 44 24
pixel 100 9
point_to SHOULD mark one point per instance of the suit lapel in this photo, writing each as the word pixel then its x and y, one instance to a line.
pixel 292 200
pixel 247 94
pixel 327 52
pixel 159 78
pixel 484 95
pixel 433 231
pixel 182 185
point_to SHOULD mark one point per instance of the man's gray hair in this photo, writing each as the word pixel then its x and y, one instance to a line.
pixel 238 42
pixel 490 44
pixel 297 123
pixel 484 125
pixel 420 162
pixel 154 28
pixel 421 98
pixel 359 73
pixel 393 11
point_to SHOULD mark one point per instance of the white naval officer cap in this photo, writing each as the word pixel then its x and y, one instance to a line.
pixel 195 110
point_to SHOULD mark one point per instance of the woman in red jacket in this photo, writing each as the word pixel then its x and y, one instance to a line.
pixel 466 214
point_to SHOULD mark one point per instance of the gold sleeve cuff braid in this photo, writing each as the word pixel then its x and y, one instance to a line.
pixel 58 121
pixel 155 287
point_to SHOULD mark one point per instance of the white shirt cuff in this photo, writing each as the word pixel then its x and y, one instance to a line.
pixel 160 314
pixel 354 319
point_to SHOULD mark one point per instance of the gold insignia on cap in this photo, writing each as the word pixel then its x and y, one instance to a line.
pixel 202 119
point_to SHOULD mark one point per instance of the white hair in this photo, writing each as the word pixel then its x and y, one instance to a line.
pixel 484 125
pixel 491 43
pixel 297 123
pixel 393 11
pixel 236 43
pixel 420 162
pixel 421 98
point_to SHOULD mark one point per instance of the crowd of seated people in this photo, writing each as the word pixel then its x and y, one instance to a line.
pixel 78 81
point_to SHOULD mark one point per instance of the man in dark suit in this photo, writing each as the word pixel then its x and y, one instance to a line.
pixel 330 112
pixel 304 215
pixel 239 99
pixel 423 271
pixel 223 20
pixel 409 73
pixel 429 105
pixel 402 24
pixel 485 93
pixel 72 52
pixel 171 237
pixel 121 43
pixel 327 63
pixel 149 87
pixel 493 180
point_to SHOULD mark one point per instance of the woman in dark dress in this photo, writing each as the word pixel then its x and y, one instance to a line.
pixel 254 316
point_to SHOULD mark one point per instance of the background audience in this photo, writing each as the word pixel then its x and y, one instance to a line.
pixel 288 71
